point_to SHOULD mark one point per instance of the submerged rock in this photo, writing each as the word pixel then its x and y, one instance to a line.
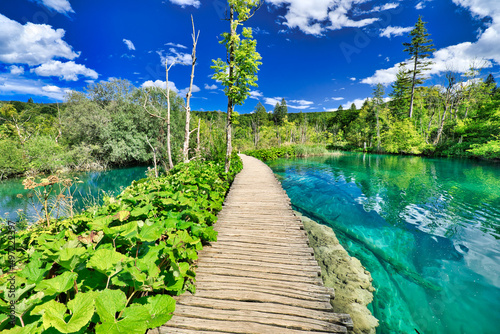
pixel 351 281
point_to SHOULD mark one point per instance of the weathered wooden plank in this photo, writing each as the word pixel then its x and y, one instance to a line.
pixel 285 249
pixel 263 307
pixel 305 272
pixel 281 320
pixel 290 265
pixel 257 274
pixel 279 291
pixel 240 327
pixel 256 256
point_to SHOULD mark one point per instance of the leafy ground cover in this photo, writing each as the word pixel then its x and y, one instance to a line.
pixel 113 270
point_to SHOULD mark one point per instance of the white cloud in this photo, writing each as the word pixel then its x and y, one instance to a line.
pixel 171 86
pixel 184 91
pixel 255 94
pixel 16 70
pixel 60 6
pixel 334 99
pixel 357 102
pixel 175 57
pixel 14 85
pixel 484 52
pixel 184 3
pixel 272 100
pixel 31 44
pixel 160 84
pixel 68 71
pixel 352 79
pixel 300 104
pixel 394 31
pixel 176 45
pixel 420 5
pixel 129 44
pixel 210 87
pixel 314 17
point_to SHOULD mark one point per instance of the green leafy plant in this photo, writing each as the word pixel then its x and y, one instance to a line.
pixel 115 269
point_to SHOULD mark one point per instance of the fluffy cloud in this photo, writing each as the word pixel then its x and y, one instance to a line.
pixel 180 46
pixel 210 87
pixel 68 71
pixel 255 94
pixel 129 44
pixel 60 6
pixel 160 84
pixel 314 17
pixel 184 3
pixel 394 31
pixel 173 56
pixel 272 100
pixel 300 104
pixel 484 52
pixel 10 85
pixel 31 44
pixel 171 86
pixel 16 70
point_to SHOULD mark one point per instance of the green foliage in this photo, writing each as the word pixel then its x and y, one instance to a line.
pixel 113 270
pixel 402 137
pixel 489 150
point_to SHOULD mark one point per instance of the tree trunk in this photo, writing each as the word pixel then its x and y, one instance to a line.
pixel 413 85
pixel 229 123
pixel 187 132
pixel 169 145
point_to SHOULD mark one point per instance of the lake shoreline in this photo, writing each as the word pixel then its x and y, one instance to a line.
pixel 351 281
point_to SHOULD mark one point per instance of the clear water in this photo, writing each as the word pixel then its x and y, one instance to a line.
pixel 428 230
pixel 112 182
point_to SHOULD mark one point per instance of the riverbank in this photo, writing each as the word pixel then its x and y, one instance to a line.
pixel 351 281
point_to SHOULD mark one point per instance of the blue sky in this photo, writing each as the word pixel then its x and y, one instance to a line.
pixel 317 54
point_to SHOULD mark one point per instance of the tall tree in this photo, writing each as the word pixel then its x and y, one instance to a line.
pixel 239 72
pixel 279 113
pixel 420 48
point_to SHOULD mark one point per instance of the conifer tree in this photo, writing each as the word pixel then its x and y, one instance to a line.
pixel 400 92
pixel 420 48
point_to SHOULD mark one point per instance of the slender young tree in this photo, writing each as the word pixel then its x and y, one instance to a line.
pixel 420 48
pixel 400 92
pixel 239 72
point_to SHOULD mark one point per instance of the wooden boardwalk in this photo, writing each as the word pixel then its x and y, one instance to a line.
pixel 260 276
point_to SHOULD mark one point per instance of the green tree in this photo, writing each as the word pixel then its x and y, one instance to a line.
pixel 279 113
pixel 239 72
pixel 400 92
pixel 420 48
pixel 259 119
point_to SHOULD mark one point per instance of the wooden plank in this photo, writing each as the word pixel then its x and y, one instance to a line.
pixel 260 317
pixel 239 327
pixel 284 249
pixel 257 274
pixel 279 291
pixel 263 307
pixel 305 272
pixel 256 256
pixel 290 265
pixel 298 286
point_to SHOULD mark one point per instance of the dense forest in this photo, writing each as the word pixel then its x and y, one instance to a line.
pixel 108 125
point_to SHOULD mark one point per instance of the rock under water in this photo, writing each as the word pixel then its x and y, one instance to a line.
pixel 351 281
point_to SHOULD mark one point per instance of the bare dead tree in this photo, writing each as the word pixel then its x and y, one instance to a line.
pixel 187 131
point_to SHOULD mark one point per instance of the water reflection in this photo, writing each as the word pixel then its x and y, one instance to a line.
pixel 94 185
pixel 427 229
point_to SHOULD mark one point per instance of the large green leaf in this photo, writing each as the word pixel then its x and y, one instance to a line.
pixel 82 309
pixel 151 233
pixel 28 329
pixel 160 310
pixel 108 303
pixel 36 269
pixel 69 258
pixel 133 321
pixel 107 261
pixel 57 285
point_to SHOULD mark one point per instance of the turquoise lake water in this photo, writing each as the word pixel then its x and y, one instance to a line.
pixel 428 230
pixel 112 182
